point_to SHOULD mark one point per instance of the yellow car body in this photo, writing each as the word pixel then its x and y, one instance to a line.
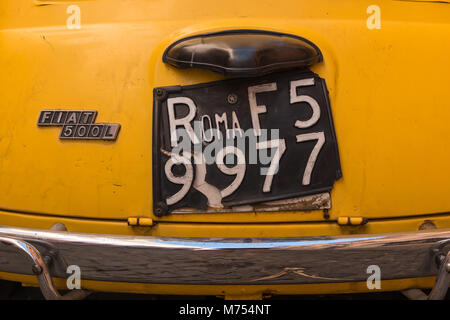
pixel 388 90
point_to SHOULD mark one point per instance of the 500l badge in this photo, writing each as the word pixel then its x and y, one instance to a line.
pixel 79 125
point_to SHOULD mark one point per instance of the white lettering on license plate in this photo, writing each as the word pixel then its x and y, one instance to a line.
pixel 182 153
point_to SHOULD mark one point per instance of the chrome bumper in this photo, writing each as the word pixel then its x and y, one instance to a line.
pixel 219 261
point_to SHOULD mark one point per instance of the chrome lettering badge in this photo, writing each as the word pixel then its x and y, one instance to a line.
pixel 79 124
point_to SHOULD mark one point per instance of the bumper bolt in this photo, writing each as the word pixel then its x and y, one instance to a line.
pixel 37 269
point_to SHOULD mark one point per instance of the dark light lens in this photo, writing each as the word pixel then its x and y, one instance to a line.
pixel 243 53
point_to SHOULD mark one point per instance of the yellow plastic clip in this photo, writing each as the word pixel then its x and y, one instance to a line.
pixel 351 221
pixel 140 222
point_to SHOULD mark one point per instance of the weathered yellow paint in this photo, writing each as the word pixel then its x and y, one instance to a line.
pixel 387 87
pixel 387 90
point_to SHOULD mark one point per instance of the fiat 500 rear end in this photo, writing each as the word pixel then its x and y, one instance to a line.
pixel 240 149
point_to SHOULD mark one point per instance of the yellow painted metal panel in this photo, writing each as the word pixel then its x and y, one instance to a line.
pixel 387 90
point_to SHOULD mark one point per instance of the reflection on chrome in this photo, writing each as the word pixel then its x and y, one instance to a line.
pixel 141 259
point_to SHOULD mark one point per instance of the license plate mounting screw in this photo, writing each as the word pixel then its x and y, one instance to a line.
pixel 232 98
pixel 326 214
pixel 161 209
pixel 161 94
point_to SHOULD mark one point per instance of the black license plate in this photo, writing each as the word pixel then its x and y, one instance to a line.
pixel 242 141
